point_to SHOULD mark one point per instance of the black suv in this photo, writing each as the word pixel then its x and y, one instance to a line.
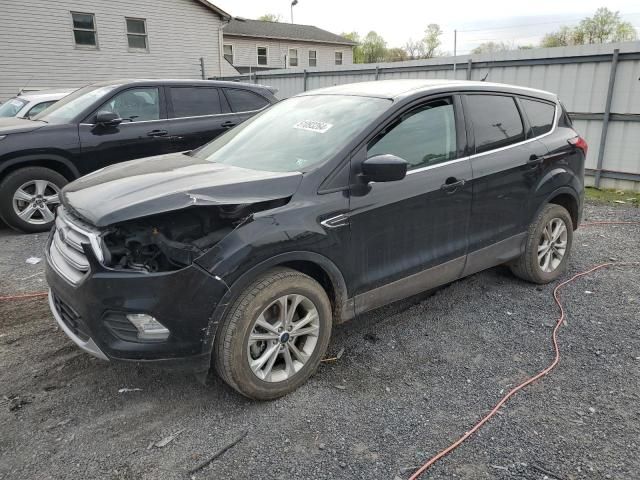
pixel 329 204
pixel 106 123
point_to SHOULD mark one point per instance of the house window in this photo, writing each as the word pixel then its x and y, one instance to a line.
pixel 293 57
pixel 228 53
pixel 338 58
pixel 313 58
pixel 262 55
pixel 137 34
pixel 84 30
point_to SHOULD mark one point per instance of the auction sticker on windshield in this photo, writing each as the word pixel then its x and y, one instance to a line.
pixel 313 126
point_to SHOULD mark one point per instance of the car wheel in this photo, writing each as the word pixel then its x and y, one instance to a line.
pixel 274 336
pixel 29 198
pixel 547 248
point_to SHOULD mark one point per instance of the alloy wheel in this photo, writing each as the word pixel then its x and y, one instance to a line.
pixel 35 201
pixel 283 338
pixel 553 245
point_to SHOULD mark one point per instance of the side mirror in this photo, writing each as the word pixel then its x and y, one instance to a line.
pixel 108 119
pixel 384 168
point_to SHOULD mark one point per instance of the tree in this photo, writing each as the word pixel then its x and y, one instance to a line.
pixel 395 55
pixel 358 56
pixel 414 49
pixel 561 38
pixel 604 27
pixel 431 40
pixel 270 17
pixel 491 47
pixel 373 48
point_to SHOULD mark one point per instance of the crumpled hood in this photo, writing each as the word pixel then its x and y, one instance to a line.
pixel 170 182
pixel 18 125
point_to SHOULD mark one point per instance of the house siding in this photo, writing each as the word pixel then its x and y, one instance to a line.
pixel 37 48
pixel 245 52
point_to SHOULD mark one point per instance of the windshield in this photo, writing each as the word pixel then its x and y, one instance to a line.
pixel 295 134
pixel 72 105
pixel 11 107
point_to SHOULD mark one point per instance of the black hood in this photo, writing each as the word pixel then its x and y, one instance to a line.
pixel 170 182
pixel 18 125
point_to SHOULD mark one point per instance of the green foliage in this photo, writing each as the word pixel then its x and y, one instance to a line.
pixel 395 55
pixel 270 17
pixel 358 56
pixel 431 40
pixel 374 48
pixel 604 26
pixel 491 47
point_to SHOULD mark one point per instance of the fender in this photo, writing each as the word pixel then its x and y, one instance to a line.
pixel 344 307
pixel 40 157
pixel 559 191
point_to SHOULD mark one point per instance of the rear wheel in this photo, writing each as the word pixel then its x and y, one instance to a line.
pixel 29 198
pixel 548 246
pixel 272 339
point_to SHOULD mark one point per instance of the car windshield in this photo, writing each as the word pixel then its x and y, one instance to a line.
pixel 11 107
pixel 295 134
pixel 72 105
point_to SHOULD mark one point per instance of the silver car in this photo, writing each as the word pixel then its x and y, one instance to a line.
pixel 27 105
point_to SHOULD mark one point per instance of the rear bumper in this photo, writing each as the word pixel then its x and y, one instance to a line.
pixel 92 313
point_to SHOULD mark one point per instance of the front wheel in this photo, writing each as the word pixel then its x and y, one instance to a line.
pixel 29 198
pixel 274 336
pixel 548 246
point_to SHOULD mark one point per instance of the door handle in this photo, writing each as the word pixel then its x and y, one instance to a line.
pixel 157 133
pixel 452 184
pixel 228 124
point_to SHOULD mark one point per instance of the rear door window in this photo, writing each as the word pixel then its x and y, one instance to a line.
pixel 540 115
pixel 496 121
pixel 195 101
pixel 244 100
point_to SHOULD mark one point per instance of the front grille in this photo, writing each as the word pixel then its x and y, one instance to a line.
pixel 66 252
pixel 70 318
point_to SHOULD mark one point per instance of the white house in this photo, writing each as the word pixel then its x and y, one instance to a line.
pixel 70 43
pixel 251 45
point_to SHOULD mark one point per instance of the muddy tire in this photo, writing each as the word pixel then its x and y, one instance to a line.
pixel 274 336
pixel 548 246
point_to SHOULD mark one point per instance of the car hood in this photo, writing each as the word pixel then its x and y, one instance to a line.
pixel 18 125
pixel 170 182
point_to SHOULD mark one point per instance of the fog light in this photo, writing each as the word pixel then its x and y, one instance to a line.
pixel 148 327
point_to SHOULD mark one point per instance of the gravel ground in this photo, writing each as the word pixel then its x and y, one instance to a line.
pixel 414 376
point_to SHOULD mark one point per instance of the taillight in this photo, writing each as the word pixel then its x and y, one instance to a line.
pixel 580 143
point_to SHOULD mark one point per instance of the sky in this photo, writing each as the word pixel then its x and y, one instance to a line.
pixel 514 22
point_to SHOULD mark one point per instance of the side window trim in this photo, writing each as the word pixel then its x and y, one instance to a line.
pixel 171 111
pixel 226 89
pixel 89 119
pixel 469 126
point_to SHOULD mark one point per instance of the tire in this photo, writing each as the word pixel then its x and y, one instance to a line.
pixel 529 266
pixel 40 184
pixel 233 353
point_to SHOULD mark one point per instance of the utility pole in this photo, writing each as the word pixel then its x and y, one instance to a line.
pixel 293 4
pixel 455 51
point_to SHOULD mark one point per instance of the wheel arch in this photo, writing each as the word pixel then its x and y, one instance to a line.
pixel 313 264
pixel 55 162
pixel 565 197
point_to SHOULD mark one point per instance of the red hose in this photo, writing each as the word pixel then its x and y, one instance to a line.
pixel 23 296
pixel 530 380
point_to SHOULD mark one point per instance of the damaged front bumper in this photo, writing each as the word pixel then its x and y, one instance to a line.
pixel 93 312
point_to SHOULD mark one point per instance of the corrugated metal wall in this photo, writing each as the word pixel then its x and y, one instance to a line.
pixel 580 76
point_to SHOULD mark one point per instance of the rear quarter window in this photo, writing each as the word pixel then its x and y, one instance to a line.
pixel 244 100
pixel 495 119
pixel 540 116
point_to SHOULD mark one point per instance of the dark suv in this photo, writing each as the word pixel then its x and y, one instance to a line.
pixel 106 123
pixel 327 205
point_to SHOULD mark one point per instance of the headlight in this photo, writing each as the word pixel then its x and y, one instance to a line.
pixel 2 137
